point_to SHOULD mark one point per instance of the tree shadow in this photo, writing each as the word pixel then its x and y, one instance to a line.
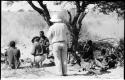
pixel 91 73
pixel 48 65
pixel 24 67
pixel 32 66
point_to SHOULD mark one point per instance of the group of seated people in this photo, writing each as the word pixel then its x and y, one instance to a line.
pixel 93 58
pixel 39 51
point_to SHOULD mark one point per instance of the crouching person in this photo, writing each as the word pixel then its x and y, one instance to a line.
pixel 12 56
pixel 37 52
pixel 100 62
pixel 112 61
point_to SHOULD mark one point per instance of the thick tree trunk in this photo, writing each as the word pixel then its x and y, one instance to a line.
pixel 76 28
pixel 75 42
pixel 75 37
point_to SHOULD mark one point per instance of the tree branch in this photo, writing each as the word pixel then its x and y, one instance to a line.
pixel 84 5
pixel 78 12
pixel 44 11
pixel 75 19
pixel 35 8
pixel 70 17
pixel 78 6
pixel 44 8
pixel 82 15
pixel 69 26
pixel 79 21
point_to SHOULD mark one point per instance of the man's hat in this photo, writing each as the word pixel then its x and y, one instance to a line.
pixel 55 18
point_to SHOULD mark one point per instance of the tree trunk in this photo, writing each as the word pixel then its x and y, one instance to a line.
pixel 75 38
pixel 76 32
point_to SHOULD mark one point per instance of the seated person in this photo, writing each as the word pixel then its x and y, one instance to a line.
pixel 88 57
pixel 12 56
pixel 100 62
pixel 44 43
pixel 111 61
pixel 37 52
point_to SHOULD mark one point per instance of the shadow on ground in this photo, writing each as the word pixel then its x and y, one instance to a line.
pixel 48 65
pixel 43 66
pixel 92 73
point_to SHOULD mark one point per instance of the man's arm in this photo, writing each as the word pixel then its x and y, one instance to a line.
pixel 67 33
pixel 49 34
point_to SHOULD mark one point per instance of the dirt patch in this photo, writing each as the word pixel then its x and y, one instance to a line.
pixel 73 71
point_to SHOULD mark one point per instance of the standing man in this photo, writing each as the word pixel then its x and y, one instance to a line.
pixel 13 55
pixel 57 35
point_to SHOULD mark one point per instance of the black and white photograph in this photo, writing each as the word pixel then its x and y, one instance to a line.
pixel 62 40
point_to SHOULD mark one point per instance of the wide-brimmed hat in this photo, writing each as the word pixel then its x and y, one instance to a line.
pixel 34 38
pixel 55 18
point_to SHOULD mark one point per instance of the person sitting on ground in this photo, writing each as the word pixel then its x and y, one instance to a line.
pixel 99 59
pixel 44 43
pixel 13 55
pixel 37 52
pixel 88 57
pixel 112 61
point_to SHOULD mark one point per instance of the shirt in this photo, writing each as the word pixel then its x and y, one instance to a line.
pixel 58 32
pixel 37 49
pixel 89 53
pixel 44 42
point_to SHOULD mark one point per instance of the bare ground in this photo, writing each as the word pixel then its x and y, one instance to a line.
pixel 73 72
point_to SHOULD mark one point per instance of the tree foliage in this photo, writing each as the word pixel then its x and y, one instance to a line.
pixel 108 7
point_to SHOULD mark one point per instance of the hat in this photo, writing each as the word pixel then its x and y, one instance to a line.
pixel 55 18
pixel 35 38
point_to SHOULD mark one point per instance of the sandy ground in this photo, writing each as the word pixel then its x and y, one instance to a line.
pixel 73 72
